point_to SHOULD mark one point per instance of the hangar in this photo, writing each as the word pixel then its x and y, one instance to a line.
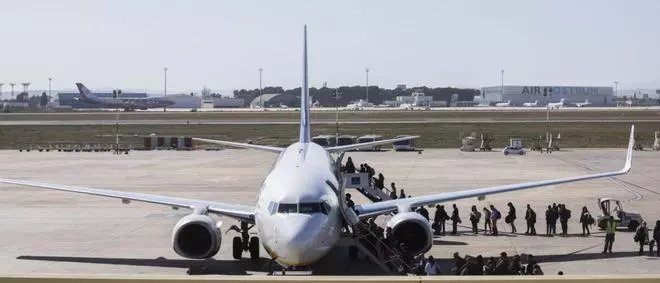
pixel 276 100
pixel 519 94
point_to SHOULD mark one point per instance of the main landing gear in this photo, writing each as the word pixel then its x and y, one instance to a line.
pixel 244 242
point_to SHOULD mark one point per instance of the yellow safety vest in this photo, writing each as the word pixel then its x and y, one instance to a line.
pixel 610 227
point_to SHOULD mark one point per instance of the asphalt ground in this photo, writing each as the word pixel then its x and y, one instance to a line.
pixel 51 232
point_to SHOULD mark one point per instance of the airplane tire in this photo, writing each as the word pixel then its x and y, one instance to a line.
pixel 254 248
pixel 237 248
pixel 506 153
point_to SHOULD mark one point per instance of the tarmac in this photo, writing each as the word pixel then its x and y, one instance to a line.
pixel 51 232
pixel 317 122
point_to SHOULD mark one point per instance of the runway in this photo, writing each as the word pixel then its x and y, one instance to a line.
pixel 318 122
pixel 61 233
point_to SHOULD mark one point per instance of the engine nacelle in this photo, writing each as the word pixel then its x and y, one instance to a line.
pixel 196 237
pixel 412 229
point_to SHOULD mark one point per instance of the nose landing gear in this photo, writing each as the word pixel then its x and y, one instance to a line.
pixel 244 242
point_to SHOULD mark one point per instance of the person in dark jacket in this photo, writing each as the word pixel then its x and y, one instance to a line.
pixel 379 183
pixel 489 268
pixel 362 169
pixel 422 210
pixel 457 264
pixel 564 215
pixel 393 188
pixel 475 216
pixel 350 167
pixel 402 194
pixel 511 217
pixel 502 267
pixel 514 266
pixel 642 237
pixel 455 220
pixel 555 217
pixel 656 239
pixel 585 219
pixel 487 225
pixel 349 201
pixel 548 220
pixel 530 217
pixel 440 218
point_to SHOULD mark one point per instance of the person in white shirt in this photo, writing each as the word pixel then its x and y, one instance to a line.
pixel 431 268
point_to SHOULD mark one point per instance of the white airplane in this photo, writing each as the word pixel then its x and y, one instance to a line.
pixel 503 104
pixel 531 104
pixel 358 105
pixel 583 104
pixel 299 210
pixel 557 105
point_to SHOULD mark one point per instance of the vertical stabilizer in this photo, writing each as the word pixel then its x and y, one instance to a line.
pixel 84 92
pixel 304 97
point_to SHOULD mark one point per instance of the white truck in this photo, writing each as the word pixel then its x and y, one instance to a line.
pixel 623 219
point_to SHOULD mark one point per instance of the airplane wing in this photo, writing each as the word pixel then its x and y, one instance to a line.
pixel 240 212
pixel 243 145
pixel 377 208
pixel 343 148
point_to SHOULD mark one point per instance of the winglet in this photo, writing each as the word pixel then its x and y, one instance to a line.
pixel 631 145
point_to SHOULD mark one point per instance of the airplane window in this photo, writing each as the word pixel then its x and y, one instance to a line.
pixel 325 208
pixel 287 208
pixel 309 208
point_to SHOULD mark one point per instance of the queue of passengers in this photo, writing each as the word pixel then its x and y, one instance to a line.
pixel 479 266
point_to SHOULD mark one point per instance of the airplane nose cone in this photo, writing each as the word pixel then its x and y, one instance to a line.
pixel 298 238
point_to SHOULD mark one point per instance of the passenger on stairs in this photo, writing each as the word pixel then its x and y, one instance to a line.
pixel 431 268
pixel 393 190
pixel 349 201
pixel 392 195
pixel 379 183
pixel 350 167
pixel 402 194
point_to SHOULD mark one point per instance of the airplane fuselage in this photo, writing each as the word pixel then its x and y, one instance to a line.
pixel 297 214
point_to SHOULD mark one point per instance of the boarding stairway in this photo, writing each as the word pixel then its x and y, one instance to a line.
pixel 358 233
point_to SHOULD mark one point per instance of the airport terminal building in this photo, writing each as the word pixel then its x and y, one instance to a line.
pixel 597 95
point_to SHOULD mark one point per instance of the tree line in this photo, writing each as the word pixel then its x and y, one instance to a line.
pixel 347 94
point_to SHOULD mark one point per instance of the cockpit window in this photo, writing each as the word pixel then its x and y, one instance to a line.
pixel 287 208
pixel 309 208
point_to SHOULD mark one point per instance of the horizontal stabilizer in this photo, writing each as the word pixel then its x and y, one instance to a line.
pixel 242 145
pixel 363 145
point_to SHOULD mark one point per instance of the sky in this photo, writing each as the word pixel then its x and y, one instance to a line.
pixel 222 44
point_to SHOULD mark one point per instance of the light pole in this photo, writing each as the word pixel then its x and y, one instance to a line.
pixel 502 85
pixel 165 81
pixel 337 116
pixel 367 87
pixel 261 98
pixel 12 89
pixel 50 81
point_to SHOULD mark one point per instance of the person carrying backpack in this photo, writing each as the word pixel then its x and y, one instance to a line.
pixel 586 219
pixel 642 237
pixel 475 216
pixel 530 217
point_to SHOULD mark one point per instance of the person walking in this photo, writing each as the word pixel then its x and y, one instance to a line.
pixel 456 219
pixel 586 219
pixel 548 221
pixel 494 216
pixel 511 217
pixel 564 215
pixel 475 216
pixel 440 218
pixel 610 230
pixel 555 217
pixel 642 237
pixel 487 225
pixel 530 217
pixel 350 167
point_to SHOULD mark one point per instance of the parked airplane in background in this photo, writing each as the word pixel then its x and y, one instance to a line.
pixel 531 104
pixel 300 207
pixel 128 104
pixel 557 105
pixel 358 105
pixel 583 104
pixel 503 104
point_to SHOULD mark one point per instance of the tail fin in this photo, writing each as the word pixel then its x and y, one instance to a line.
pixel 84 92
pixel 304 97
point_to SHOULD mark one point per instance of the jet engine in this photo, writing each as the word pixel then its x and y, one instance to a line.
pixel 196 237
pixel 413 230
